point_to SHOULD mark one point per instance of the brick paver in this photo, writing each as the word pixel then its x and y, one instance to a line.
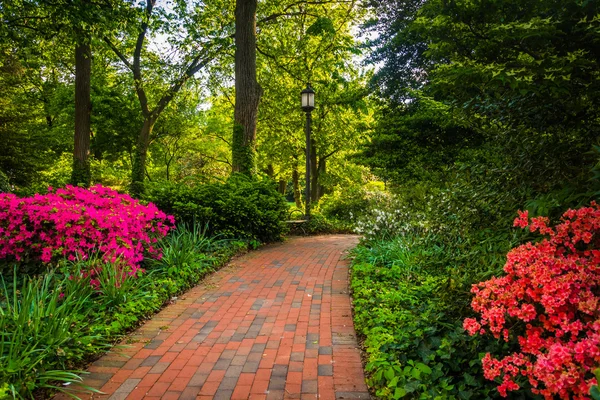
pixel 274 324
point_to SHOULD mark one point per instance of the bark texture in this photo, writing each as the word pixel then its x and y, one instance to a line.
pixel 247 89
pixel 282 186
pixel 314 173
pixel 81 174
pixel 296 184
pixel 138 170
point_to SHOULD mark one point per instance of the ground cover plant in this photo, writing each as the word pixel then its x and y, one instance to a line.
pixel 529 327
pixel 410 296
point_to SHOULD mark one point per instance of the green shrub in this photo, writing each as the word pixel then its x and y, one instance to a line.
pixel 239 208
pixel 345 205
pixel 320 225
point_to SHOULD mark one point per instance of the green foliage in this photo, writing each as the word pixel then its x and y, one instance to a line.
pixel 115 285
pixel 39 344
pixel 81 175
pixel 240 208
pixel 318 224
pixel 4 185
pixel 418 140
pixel 322 26
pixel 345 205
pixel 186 253
pixel 500 112
pixel 55 323
pixel 411 294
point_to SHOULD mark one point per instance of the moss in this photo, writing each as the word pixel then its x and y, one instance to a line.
pixel 81 174
pixel 137 188
pixel 243 154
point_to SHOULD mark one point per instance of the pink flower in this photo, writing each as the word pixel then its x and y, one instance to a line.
pixel 46 255
pixel 72 221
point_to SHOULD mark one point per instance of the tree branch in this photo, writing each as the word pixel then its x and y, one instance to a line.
pixel 217 159
pixel 137 53
pixel 222 138
pixel 289 72
pixel 284 12
pixel 330 154
pixel 118 53
pixel 197 63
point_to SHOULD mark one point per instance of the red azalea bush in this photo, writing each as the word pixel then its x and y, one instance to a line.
pixel 73 222
pixel 548 301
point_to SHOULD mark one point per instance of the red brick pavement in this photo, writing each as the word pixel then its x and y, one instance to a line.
pixel 275 324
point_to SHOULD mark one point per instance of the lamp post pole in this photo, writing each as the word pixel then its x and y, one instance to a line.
pixel 308 104
pixel 308 128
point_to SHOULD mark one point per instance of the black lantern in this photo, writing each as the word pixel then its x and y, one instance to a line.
pixel 308 99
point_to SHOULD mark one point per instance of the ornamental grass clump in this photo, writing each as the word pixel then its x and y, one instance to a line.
pixel 546 306
pixel 73 222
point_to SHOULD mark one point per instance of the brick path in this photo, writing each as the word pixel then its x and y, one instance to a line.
pixel 275 324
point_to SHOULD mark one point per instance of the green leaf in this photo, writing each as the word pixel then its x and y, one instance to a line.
pixel 595 393
pixel 389 374
pixel 320 27
pixel 399 393
pixel 423 368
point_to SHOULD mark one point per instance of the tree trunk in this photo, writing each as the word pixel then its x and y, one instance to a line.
pixel 282 186
pixel 81 174
pixel 296 184
pixel 247 89
pixel 138 170
pixel 271 171
pixel 314 173
pixel 321 171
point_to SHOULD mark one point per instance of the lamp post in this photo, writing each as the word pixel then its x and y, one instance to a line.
pixel 308 104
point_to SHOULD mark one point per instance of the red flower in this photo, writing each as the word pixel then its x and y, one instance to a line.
pixel 553 287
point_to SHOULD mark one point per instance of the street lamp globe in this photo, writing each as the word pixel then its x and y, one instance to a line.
pixel 308 99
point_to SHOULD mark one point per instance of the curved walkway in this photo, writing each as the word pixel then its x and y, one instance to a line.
pixel 274 324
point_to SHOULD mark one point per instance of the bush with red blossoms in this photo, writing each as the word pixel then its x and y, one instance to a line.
pixel 74 222
pixel 547 303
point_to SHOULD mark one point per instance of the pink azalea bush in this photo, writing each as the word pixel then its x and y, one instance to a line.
pixel 74 222
pixel 548 301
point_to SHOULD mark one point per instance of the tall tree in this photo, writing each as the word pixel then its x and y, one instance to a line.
pixel 35 69
pixel 81 173
pixel 195 56
pixel 247 89
pixel 519 80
